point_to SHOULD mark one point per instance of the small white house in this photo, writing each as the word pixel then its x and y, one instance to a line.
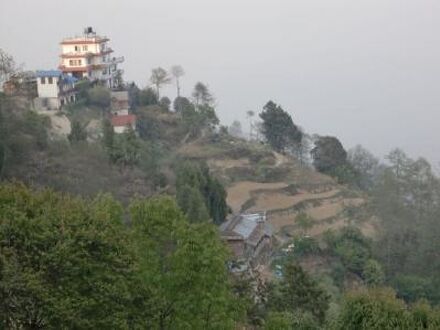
pixel 55 89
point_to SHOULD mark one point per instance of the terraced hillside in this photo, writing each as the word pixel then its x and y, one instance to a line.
pixel 259 179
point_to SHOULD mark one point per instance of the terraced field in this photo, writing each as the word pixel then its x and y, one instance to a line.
pixel 258 179
pixel 326 202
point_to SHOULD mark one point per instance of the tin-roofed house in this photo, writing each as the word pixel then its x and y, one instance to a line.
pixel 55 89
pixel 249 236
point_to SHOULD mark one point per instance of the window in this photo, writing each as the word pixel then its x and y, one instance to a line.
pixel 79 62
pixel 77 48
pixel 50 80
pixel 43 80
pixel 85 48
pixel 71 62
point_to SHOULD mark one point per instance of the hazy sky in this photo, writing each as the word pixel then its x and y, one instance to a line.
pixel 366 71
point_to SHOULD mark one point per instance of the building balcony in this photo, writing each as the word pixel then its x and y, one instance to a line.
pixel 86 54
pixel 65 68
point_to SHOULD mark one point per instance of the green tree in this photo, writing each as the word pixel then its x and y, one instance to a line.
pixel 192 178
pixel 373 274
pixel 200 118
pixel 148 125
pixel 328 154
pixel 127 148
pixel 278 127
pixel 202 95
pixel 165 103
pixel 100 97
pixel 191 202
pixel 65 262
pixel 158 78
pixel 182 267
pixel 365 164
pixel 82 88
pixel 148 96
pixel 351 246
pixel 298 292
pixel 180 103
pixel 374 309
pixel 289 321
pixel 407 199
pixel 77 132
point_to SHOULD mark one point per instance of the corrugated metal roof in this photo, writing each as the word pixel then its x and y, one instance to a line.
pixel 48 73
pixel 247 225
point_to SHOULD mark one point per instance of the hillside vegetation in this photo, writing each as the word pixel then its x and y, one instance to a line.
pixel 106 230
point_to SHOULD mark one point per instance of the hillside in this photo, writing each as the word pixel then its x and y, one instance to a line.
pixel 327 233
pixel 259 179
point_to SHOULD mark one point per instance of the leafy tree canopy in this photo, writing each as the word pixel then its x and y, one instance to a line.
pixel 278 127
pixel 328 154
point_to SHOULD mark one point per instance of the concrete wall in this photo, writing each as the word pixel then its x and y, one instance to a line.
pixel 47 89
pixel 91 48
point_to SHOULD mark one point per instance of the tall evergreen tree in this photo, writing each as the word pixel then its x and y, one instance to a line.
pixel 278 127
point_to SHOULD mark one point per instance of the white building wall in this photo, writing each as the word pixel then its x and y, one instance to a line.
pixel 119 129
pixel 46 89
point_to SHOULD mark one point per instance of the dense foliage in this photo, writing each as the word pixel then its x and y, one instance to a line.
pixel 379 309
pixel 71 263
pixel 299 293
pixel 278 127
pixel 200 195
pixel 407 198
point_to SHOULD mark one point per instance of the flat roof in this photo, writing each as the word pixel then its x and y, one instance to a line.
pixel 48 73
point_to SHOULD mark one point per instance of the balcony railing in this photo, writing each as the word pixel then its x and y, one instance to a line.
pixel 116 60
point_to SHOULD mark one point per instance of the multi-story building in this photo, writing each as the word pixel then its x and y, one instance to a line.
pixel 89 56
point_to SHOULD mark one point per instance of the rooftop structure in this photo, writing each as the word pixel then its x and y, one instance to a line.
pixel 89 56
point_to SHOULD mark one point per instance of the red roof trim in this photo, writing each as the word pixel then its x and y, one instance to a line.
pixel 123 120
pixel 83 42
